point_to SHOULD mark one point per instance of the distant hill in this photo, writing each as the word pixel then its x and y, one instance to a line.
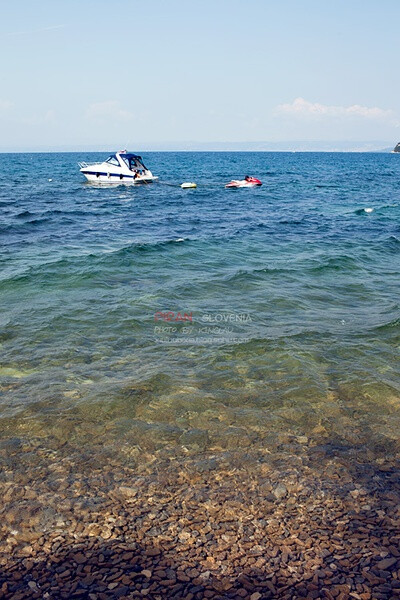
pixel 397 148
pixel 232 146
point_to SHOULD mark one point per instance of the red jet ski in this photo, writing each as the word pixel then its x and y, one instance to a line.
pixel 246 182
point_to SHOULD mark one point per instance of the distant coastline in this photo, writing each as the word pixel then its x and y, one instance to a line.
pixel 192 146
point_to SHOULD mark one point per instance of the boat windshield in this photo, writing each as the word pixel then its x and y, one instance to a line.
pixel 112 160
pixel 133 163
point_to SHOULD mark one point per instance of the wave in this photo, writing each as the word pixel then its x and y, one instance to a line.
pixel 378 209
pixel 250 228
pixel 393 240
pixel 291 221
pixel 143 247
pixel 364 211
pixel 84 265
pixel 68 213
pixel 24 214
pixel 393 324
pixel 242 274
pixel 23 227
pixel 336 263
pixel 390 244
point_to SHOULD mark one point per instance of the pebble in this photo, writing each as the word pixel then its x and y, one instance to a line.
pixel 112 586
pixel 79 558
pixel 146 573
pixel 280 491
pixel 302 439
pixel 386 563
pixel 33 586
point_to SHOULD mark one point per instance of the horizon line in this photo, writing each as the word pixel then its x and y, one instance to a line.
pixel 193 146
pixel 313 151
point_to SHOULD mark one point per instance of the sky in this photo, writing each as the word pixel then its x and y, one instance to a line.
pixel 97 73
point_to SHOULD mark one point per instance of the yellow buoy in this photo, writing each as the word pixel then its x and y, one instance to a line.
pixel 188 184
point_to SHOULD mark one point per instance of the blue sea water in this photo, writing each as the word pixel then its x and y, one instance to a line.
pixel 133 315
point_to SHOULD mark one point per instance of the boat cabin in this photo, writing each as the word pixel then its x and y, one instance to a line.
pixel 134 162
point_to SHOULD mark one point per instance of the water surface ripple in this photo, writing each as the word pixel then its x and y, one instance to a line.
pixel 304 270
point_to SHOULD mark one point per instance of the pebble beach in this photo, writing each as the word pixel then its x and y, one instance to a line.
pixel 291 518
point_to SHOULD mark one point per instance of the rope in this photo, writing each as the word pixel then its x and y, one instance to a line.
pixel 198 184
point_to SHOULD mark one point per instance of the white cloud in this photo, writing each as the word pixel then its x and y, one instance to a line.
pixel 302 108
pixel 38 118
pixel 110 109
pixel 33 31
pixel 5 105
pixel 50 116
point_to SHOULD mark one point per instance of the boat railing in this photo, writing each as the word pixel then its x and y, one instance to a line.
pixel 84 165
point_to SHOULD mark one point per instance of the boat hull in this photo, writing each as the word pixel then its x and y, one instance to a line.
pixel 242 184
pixel 115 178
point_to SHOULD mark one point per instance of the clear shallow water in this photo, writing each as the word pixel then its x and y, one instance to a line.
pixel 292 291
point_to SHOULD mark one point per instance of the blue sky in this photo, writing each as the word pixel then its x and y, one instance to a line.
pixel 124 73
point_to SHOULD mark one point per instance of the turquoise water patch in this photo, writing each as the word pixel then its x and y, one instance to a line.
pixel 152 320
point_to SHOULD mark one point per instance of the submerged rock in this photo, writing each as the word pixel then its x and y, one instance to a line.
pixel 195 438
pixel 235 437
pixel 16 373
pixel 206 465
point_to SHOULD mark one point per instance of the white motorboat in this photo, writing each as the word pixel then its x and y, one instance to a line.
pixel 121 167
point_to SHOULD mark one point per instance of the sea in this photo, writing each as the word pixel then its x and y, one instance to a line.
pixel 146 321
